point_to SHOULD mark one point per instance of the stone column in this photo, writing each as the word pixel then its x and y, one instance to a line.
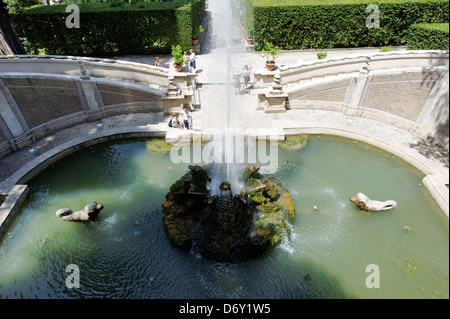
pixel 358 89
pixel 90 97
pixel 12 123
pixel 263 79
pixel 357 92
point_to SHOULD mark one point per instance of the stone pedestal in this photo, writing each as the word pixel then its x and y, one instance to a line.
pixel 84 75
pixel 12 201
pixel 275 103
pixel 273 99
pixel 185 81
pixel 263 78
pixel 173 98
pixel 197 48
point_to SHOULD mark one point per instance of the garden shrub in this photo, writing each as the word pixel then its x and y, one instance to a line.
pixel 319 24
pixel 16 6
pixel 110 29
pixel 433 36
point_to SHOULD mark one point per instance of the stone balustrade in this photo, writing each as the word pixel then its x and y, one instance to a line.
pixel 409 90
pixel 155 77
pixel 292 74
pixel 40 95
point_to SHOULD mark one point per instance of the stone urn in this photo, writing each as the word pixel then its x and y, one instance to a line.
pixel 178 67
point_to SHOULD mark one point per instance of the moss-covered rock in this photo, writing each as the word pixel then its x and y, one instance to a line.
pixel 184 206
pixel 274 208
pixel 294 142
pixel 226 227
pixel 158 145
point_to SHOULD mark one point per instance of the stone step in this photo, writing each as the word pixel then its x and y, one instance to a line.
pixel 326 77
pixel 175 135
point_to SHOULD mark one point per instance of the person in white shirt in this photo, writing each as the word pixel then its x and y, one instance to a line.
pixel 192 65
pixel 187 118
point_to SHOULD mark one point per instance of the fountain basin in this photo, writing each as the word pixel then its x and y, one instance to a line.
pixel 126 246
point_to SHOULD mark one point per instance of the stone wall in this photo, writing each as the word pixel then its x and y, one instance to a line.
pixel 118 95
pixel 413 99
pixel 33 106
pixel 42 94
pixel 327 91
pixel 292 75
pixel 42 100
pixel 401 93
pixel 444 129
pixel 406 89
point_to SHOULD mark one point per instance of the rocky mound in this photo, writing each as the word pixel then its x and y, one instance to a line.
pixel 227 227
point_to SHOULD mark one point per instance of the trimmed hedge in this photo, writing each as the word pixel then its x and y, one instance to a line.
pixel 306 24
pixel 429 37
pixel 110 29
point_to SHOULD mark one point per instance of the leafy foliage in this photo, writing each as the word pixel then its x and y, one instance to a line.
pixel 321 55
pixel 197 31
pixel 308 24
pixel 429 37
pixel 270 51
pixel 106 29
pixel 17 6
pixel 177 55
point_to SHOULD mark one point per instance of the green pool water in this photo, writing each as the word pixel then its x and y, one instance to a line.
pixel 125 253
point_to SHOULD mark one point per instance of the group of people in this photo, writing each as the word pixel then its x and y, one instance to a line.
pixel 185 122
pixel 189 60
pixel 241 88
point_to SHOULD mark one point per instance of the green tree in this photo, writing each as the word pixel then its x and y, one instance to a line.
pixel 16 6
pixel 9 41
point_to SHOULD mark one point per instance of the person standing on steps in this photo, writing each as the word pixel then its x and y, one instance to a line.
pixel 192 65
pixel 247 73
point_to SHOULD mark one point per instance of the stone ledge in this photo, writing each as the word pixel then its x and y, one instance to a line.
pixel 41 162
pixel 438 188
pixel 11 206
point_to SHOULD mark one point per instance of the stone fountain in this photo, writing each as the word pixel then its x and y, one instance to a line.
pixel 227 227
